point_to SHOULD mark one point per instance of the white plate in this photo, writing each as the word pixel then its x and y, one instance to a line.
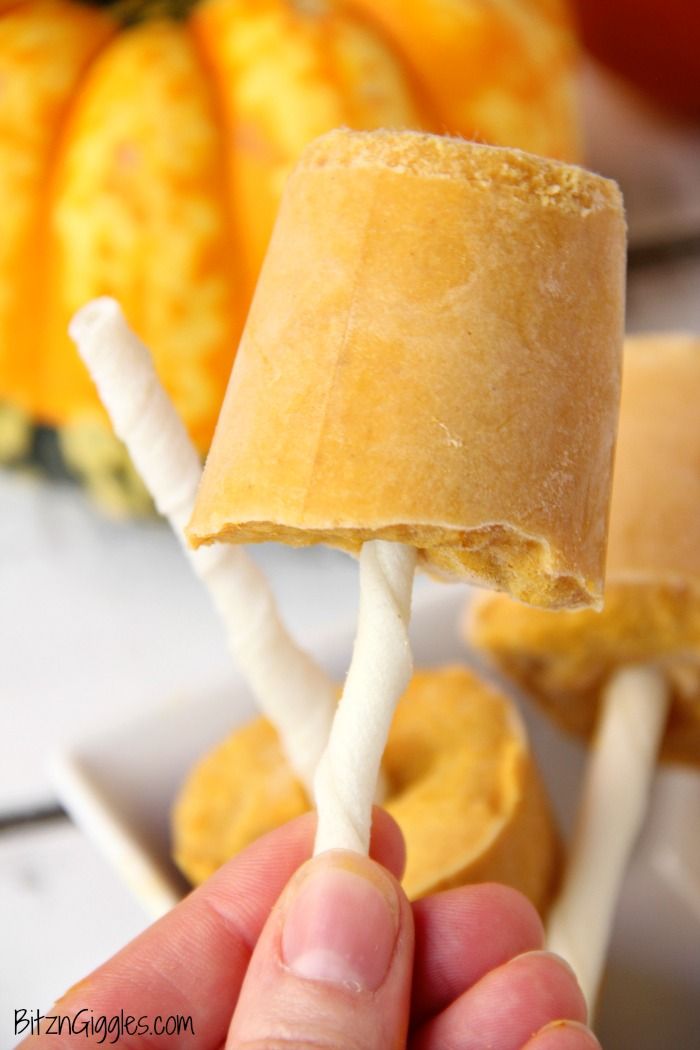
pixel 119 787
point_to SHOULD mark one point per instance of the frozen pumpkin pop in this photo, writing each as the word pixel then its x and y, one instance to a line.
pixel 631 673
pixel 430 370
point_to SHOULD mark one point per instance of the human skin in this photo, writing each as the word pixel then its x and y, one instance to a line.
pixel 282 952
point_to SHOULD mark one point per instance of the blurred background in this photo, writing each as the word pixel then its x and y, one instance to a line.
pixel 143 147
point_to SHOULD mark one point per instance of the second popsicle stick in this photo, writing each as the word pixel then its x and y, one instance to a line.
pixel 612 808
pixel 295 695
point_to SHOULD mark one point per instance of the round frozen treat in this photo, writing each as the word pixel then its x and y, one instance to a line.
pixel 432 357
pixel 460 781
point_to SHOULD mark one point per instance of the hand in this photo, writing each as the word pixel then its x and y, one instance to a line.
pixel 341 960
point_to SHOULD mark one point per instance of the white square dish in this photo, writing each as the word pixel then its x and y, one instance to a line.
pixel 119 786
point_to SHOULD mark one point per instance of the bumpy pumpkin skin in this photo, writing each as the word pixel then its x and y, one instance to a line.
pixel 147 163
pixel 494 70
pixel 139 210
pixel 45 49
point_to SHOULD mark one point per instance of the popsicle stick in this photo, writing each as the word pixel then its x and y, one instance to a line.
pixel 380 671
pixel 294 694
pixel 613 805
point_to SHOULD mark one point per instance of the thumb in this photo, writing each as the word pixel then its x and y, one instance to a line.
pixel 332 967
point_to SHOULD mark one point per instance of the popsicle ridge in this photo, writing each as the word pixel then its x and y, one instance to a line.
pixel 499 556
pixel 550 182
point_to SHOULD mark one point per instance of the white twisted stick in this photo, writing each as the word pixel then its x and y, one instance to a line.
pixel 379 673
pixel 613 805
pixel 293 692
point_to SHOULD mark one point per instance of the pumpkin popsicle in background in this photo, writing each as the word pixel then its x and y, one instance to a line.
pixel 630 674
pixel 145 161
pixel 461 783
pixel 430 369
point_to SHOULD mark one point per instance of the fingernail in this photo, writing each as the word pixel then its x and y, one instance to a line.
pixel 575 1027
pixel 342 922
pixel 543 954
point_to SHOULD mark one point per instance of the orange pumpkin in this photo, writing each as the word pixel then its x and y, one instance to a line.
pixel 143 147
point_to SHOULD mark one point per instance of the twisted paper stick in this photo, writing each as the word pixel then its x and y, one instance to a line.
pixel 379 673
pixel 293 692
pixel 613 805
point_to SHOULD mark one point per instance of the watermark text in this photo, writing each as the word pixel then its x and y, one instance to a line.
pixel 101 1028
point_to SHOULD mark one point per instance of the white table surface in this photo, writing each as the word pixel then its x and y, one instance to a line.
pixel 98 617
